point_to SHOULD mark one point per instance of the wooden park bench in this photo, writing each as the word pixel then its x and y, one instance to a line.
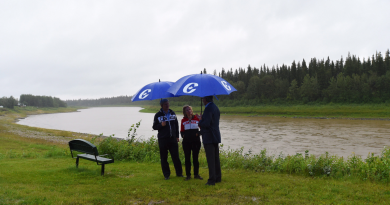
pixel 91 153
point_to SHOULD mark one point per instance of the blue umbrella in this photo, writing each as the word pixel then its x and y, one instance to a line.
pixel 153 91
pixel 201 85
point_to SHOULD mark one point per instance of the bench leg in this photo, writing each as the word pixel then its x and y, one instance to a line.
pixel 102 169
pixel 77 162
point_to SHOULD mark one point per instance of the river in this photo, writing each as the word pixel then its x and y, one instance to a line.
pixel 276 134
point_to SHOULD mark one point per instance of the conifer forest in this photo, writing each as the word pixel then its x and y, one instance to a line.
pixel 349 80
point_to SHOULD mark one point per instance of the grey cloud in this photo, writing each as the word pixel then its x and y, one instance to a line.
pixel 91 49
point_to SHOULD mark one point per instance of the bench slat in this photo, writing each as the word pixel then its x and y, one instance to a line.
pixel 102 160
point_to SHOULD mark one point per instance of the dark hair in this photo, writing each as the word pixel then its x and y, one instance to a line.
pixel 209 98
pixel 162 101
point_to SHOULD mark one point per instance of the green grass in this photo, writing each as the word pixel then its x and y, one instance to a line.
pixel 328 111
pixel 56 180
pixel 37 171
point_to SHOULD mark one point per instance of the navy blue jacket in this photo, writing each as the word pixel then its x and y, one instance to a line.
pixel 171 129
pixel 209 125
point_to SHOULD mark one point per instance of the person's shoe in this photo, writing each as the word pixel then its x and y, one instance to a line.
pixel 218 181
pixel 187 178
pixel 209 184
pixel 166 178
pixel 198 177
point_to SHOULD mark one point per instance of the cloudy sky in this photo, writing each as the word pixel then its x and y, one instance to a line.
pixel 92 49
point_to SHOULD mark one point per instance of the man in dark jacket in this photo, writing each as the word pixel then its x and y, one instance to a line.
pixel 209 128
pixel 165 121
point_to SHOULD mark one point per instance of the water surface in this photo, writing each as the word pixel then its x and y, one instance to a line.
pixel 276 134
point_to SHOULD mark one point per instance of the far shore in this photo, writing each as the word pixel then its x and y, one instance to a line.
pixel 349 112
pixel 306 111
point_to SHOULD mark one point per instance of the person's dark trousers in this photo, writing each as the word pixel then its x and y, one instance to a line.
pixel 171 145
pixel 212 156
pixel 193 147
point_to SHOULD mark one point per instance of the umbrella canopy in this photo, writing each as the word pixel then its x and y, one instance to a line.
pixel 153 91
pixel 201 85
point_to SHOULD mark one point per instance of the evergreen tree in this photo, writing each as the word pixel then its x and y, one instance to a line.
pixel 313 67
pixel 293 71
pixel 321 76
pixel 309 90
pixel 248 74
pixel 305 70
pixel 223 73
pixel 253 90
pixel 380 64
pixel 293 91
pixel 387 60
pixel 348 68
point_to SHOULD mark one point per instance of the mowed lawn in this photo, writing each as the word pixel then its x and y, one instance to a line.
pixel 34 171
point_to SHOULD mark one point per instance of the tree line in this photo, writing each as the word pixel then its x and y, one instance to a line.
pixel 349 80
pixel 41 101
pixel 120 100
pixel 10 102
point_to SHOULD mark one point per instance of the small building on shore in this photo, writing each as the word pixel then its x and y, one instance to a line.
pixel 21 105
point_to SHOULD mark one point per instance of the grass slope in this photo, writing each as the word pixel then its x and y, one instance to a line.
pixel 39 171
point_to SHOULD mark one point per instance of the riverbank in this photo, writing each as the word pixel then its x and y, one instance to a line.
pixel 9 117
pixel 333 111
pixel 42 157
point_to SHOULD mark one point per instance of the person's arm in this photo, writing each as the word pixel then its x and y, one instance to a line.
pixel 156 124
pixel 198 132
pixel 182 129
pixel 177 129
pixel 206 119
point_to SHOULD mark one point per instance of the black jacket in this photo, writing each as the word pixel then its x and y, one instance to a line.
pixel 209 125
pixel 171 129
pixel 189 129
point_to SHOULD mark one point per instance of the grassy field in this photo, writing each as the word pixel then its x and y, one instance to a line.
pixel 40 172
pixel 328 111
pixel 36 168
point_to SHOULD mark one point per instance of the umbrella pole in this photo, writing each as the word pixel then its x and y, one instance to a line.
pixel 200 106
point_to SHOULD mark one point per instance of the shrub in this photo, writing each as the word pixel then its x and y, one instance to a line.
pixel 374 168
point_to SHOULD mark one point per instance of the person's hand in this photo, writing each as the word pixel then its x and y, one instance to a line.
pixel 163 123
pixel 178 140
pixel 199 116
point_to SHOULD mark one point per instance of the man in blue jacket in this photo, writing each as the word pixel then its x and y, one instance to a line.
pixel 165 121
pixel 211 137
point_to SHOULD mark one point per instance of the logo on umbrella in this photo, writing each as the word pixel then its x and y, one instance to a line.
pixel 189 89
pixel 224 83
pixel 144 94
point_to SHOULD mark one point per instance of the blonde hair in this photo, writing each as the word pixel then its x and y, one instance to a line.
pixel 184 110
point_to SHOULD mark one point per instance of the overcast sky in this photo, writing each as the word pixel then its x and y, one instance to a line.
pixel 92 49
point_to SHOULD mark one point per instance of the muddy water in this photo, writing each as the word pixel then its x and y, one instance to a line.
pixel 290 136
pixel 286 135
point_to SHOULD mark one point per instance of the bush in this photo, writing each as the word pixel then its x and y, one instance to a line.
pixel 373 168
